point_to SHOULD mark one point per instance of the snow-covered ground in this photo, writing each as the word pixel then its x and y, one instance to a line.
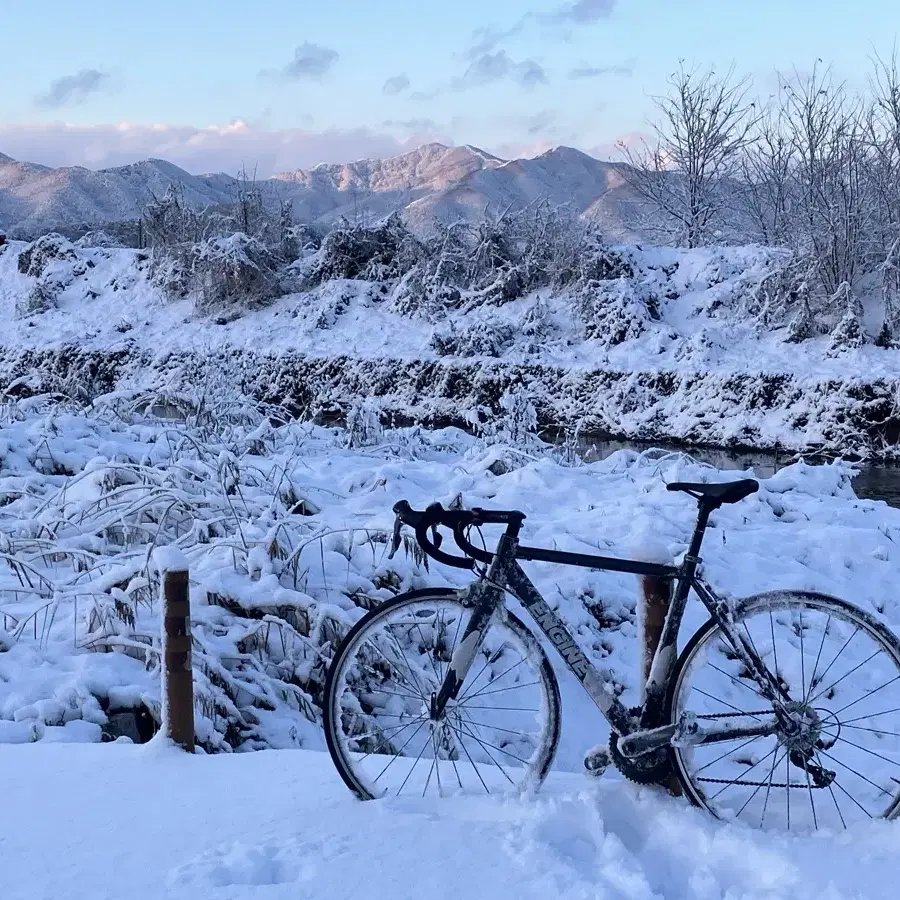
pixel 147 822
pixel 286 533
pixel 85 498
pixel 104 298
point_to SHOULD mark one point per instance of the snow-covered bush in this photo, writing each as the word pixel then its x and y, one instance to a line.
pixel 54 262
pixel 613 312
pixel 363 425
pixel 489 336
pixel 47 252
pixel 382 252
pixel 233 272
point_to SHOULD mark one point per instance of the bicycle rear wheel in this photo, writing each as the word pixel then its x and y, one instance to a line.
pixel 840 668
pixel 500 734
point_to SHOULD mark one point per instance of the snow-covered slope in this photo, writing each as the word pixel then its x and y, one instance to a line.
pixel 433 181
pixel 695 365
pixel 148 823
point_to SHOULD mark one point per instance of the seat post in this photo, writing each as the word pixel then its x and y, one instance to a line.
pixel 704 510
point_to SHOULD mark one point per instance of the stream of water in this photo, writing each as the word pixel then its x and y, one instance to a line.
pixel 874 482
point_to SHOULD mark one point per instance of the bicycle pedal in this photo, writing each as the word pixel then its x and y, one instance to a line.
pixel 597 760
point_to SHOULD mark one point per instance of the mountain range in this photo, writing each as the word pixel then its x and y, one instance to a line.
pixel 433 181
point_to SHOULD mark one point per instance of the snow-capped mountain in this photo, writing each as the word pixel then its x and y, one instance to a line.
pixel 433 181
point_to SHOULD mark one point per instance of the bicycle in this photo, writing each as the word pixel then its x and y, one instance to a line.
pixel 416 677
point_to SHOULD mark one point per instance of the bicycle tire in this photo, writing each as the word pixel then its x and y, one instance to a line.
pixel 334 691
pixel 835 609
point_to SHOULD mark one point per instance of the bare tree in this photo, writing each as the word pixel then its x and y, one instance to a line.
pixel 767 176
pixel 687 173
pixel 833 215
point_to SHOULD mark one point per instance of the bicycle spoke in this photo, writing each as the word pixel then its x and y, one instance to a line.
pixel 745 772
pixel 866 696
pixel 886 759
pixel 787 790
pixel 857 774
pixel 812 680
pixel 490 755
pixel 844 790
pixel 775 762
pixel 398 755
pixel 737 680
pixel 472 684
pixel 834 684
pixel 471 761
pixel 802 665
pixel 885 712
pixel 843 648
pixel 726 703
pixel 381 731
pixel 486 693
pixel 873 730
pixel 727 752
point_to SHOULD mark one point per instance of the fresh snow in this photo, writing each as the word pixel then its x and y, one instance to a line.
pixel 291 526
pixel 92 822
pixel 83 501
pixel 107 301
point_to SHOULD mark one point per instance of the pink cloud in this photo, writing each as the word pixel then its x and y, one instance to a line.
pixel 217 148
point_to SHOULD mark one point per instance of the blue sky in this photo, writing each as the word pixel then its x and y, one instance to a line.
pixel 285 84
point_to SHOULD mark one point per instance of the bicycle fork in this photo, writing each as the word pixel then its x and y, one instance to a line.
pixel 485 596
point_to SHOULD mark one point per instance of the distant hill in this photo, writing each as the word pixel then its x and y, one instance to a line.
pixel 433 181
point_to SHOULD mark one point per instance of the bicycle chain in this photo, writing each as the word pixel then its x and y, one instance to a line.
pixel 774 784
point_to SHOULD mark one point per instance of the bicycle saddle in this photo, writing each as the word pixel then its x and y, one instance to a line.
pixel 718 492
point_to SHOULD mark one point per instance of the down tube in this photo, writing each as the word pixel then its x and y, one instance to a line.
pixel 557 633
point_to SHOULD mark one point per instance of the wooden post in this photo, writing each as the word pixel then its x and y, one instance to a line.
pixel 178 684
pixel 655 595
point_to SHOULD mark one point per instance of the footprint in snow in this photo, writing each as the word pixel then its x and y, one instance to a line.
pixel 243 863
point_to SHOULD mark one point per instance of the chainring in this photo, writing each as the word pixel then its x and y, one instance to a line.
pixel 654 767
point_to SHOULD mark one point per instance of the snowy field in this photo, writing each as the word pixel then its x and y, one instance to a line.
pixel 709 318
pixel 150 822
pixel 286 533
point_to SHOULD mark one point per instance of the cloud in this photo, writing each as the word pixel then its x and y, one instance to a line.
pixel 72 89
pixel 492 67
pixel 541 122
pixel 310 62
pixel 413 126
pixel 624 70
pixel 486 39
pixel 576 12
pixel 217 148
pixel 396 85
pixel 581 12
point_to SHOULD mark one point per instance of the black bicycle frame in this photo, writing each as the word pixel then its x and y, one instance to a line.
pixel 505 573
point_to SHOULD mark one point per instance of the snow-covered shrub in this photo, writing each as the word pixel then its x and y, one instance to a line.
pixel 47 251
pixel 613 312
pixel 382 252
pixel 420 295
pixel 363 424
pixel 235 271
pixel 55 263
pixel 483 337
pixel 516 421
pixel 848 334
pixel 96 239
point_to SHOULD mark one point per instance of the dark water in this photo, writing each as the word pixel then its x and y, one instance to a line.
pixel 872 483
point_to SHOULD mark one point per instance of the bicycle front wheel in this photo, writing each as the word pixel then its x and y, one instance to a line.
pixel 499 735
pixel 839 669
